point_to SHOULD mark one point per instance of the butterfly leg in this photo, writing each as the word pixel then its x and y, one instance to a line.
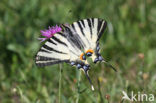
pixel 86 69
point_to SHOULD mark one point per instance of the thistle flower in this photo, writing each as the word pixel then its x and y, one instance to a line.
pixel 49 33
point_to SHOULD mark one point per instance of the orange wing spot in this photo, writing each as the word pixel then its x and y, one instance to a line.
pixel 81 56
pixel 90 50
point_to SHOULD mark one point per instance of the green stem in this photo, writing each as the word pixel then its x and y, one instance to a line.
pixel 78 72
pixel 60 83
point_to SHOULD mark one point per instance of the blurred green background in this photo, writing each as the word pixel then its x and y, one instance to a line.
pixel 129 44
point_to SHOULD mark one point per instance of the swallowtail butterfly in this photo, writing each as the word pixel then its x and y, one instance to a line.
pixel 73 45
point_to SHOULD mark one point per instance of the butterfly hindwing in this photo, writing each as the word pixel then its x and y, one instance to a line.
pixel 90 31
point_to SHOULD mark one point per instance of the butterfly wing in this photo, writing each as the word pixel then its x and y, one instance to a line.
pixel 90 31
pixel 55 50
pixel 72 43
pixel 81 37
pixel 76 45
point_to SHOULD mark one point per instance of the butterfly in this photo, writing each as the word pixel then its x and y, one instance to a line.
pixel 73 45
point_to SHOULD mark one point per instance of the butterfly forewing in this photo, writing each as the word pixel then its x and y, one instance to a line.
pixel 54 51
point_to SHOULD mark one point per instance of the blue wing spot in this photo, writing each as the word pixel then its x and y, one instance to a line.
pixel 72 63
pixel 79 66
pixel 100 58
pixel 84 57
pixel 89 54
pixel 96 60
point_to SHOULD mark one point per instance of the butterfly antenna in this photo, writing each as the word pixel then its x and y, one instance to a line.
pixel 110 65
pixel 86 73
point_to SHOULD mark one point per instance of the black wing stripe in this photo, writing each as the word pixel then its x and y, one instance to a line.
pixel 99 25
pixel 90 27
pixel 82 21
pixel 51 63
pixel 58 40
pixel 70 37
pixel 61 34
pixel 73 27
pixel 75 40
pixel 43 58
pixel 102 30
pixel 92 22
pixel 51 41
pixel 51 49
pixel 42 50
pixel 81 29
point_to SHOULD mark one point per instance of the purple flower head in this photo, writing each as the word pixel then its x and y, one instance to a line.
pixel 49 33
